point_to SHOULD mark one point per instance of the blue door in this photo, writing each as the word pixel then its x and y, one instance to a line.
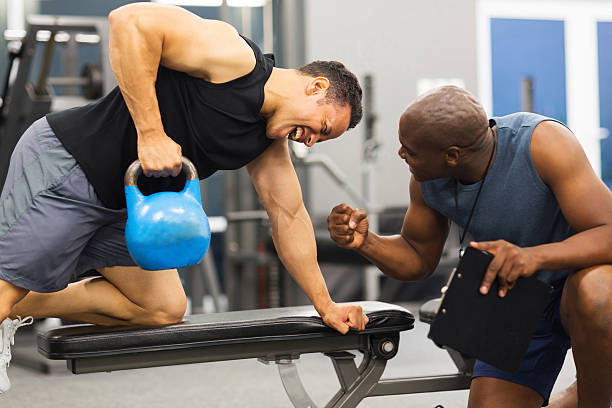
pixel 604 48
pixel 528 49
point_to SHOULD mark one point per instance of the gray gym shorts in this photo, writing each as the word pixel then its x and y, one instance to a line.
pixel 53 227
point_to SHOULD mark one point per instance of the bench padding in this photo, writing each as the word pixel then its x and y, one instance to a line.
pixel 251 326
pixel 429 310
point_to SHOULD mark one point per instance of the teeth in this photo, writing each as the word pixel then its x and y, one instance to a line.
pixel 291 135
pixel 295 134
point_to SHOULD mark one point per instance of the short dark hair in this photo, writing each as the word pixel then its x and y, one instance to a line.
pixel 343 85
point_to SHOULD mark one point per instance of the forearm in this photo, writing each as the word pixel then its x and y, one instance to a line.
pixel 395 257
pixel 293 236
pixel 582 250
pixel 135 52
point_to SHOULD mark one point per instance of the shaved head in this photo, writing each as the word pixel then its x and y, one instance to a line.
pixel 446 116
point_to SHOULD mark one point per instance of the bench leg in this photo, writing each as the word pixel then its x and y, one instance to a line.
pixel 464 364
pixel 293 385
pixel 355 382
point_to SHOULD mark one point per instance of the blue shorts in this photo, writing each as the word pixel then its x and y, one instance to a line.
pixel 53 227
pixel 545 355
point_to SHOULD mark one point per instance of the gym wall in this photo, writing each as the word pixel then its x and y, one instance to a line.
pixel 398 42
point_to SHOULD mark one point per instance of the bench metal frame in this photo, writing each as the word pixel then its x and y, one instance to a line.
pixel 356 381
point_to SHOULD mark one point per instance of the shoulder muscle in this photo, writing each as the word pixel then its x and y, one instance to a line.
pixel 209 49
pixel 562 164
pixel 556 153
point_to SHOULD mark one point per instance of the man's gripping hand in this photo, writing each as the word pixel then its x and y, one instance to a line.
pixel 348 227
pixel 508 264
pixel 159 155
pixel 344 317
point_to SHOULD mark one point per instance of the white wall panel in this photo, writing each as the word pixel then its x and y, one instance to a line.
pixel 398 42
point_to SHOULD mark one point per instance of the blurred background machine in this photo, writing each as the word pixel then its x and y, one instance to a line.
pixel 46 72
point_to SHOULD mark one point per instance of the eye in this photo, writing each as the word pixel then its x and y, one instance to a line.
pixel 407 151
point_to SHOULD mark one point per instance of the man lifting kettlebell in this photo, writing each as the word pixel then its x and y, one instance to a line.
pixel 187 86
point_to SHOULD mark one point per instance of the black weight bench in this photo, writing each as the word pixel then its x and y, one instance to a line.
pixel 271 335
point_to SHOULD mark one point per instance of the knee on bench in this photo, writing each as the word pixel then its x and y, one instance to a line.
pixel 162 311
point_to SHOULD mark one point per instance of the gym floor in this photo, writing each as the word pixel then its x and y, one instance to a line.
pixel 242 383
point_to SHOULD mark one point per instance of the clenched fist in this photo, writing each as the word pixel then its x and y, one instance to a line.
pixel 348 227
pixel 159 155
pixel 344 317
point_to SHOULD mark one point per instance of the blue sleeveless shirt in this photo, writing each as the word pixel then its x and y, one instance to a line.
pixel 515 205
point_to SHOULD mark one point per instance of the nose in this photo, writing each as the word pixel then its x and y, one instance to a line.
pixel 312 139
pixel 400 152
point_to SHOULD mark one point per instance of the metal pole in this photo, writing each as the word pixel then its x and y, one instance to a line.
pixel 245 14
pixel 70 64
pixel 41 84
pixel 527 94
pixel 268 26
pixel 370 148
pixel 15 15
pixel 224 12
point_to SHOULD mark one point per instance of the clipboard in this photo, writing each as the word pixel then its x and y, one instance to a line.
pixel 492 329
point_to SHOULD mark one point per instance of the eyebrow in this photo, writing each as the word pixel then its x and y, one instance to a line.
pixel 328 130
pixel 410 151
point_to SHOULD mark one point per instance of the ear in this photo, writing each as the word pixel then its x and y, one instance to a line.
pixel 452 155
pixel 317 85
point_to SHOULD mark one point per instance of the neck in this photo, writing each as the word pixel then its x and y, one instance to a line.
pixel 481 161
pixel 277 90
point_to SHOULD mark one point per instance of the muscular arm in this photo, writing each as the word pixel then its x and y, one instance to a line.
pixel 145 35
pixel 279 190
pixel 584 199
pixel 412 255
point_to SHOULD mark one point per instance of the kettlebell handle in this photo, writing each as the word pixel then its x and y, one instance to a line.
pixel 135 169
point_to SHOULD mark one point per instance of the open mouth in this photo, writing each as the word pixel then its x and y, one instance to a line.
pixel 296 134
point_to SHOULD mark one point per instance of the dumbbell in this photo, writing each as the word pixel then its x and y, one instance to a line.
pixel 90 81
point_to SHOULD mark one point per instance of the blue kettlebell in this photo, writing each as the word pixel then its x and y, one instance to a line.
pixel 167 229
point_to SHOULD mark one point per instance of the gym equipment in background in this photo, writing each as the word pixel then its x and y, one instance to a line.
pixel 30 92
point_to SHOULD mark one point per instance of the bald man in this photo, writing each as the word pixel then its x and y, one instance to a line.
pixel 535 204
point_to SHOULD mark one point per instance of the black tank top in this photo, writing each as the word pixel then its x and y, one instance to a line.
pixel 217 125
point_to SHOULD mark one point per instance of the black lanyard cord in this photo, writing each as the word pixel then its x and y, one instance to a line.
pixel 484 177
